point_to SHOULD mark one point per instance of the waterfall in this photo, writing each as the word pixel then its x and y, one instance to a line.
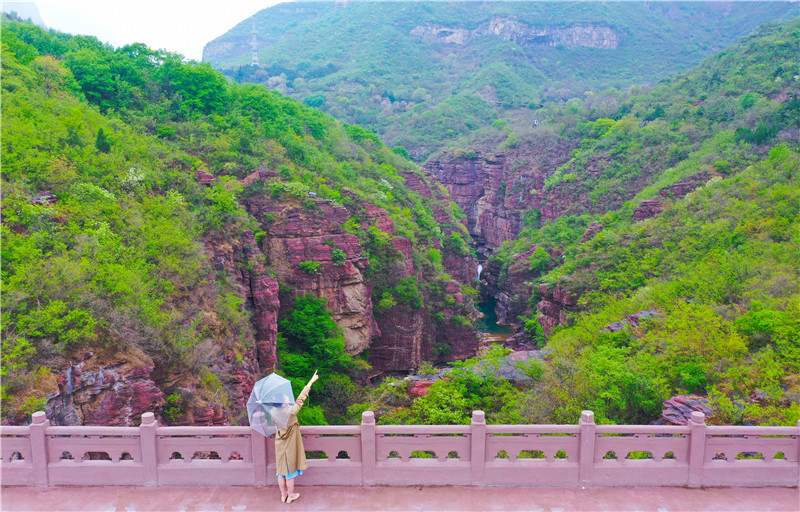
pixel 70 388
pixel 480 269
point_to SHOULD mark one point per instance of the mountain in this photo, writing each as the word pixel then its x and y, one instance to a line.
pixel 168 238
pixel 648 241
pixel 420 74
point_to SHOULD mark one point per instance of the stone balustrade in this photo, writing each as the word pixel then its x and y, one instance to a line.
pixel 586 455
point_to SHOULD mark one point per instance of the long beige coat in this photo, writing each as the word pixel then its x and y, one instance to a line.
pixel 290 455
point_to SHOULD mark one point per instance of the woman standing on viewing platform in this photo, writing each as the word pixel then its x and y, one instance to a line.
pixel 290 455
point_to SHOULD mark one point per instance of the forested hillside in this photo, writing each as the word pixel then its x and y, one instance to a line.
pixel 661 257
pixel 422 73
pixel 169 237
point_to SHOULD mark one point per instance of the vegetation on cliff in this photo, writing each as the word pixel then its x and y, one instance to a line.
pixel 701 296
pixel 109 238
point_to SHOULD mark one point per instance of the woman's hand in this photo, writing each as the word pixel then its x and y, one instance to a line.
pixel 314 378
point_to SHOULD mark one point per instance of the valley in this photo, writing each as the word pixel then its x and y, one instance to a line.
pixel 170 235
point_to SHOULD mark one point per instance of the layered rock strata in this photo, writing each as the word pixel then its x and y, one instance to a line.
pixel 555 305
pixel 497 190
pixel 311 253
pixel 588 35
pixel 100 391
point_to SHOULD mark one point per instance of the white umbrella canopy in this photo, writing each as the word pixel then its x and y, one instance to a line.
pixel 270 404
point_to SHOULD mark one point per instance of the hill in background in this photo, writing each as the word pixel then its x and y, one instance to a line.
pixel 420 74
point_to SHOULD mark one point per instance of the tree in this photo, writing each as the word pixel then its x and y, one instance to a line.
pixel 101 143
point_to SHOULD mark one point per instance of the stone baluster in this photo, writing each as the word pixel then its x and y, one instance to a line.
pixel 258 451
pixel 149 447
pixel 697 446
pixel 587 440
pixel 368 456
pixel 38 440
pixel 478 452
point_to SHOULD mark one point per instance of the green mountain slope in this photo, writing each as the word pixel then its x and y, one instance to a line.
pixel 112 245
pixel 700 295
pixel 422 73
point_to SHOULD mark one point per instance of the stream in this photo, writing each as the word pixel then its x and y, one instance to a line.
pixel 490 330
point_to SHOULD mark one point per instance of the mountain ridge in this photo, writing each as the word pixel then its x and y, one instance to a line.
pixel 421 74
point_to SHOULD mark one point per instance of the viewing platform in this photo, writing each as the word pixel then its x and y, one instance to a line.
pixel 380 498
pixel 579 456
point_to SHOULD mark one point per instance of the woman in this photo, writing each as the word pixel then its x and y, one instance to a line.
pixel 290 456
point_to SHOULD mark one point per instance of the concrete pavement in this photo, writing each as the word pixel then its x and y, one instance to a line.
pixel 545 499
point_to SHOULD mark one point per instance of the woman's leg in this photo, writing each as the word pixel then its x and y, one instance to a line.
pixel 292 495
pixel 282 485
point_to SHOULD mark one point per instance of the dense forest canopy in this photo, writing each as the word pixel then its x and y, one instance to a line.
pixel 114 246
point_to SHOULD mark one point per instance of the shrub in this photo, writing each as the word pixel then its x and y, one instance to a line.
pixel 339 257
pixel 310 267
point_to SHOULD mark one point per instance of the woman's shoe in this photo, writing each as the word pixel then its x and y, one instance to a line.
pixel 283 499
pixel 292 497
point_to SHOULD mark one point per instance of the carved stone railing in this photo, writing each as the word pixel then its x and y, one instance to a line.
pixel 477 454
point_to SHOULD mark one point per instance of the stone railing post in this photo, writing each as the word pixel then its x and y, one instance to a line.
pixel 38 440
pixel 258 452
pixel 697 447
pixel 147 440
pixel 587 440
pixel 798 452
pixel 478 454
pixel 368 455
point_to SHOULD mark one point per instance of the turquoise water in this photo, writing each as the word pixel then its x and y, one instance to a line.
pixel 488 323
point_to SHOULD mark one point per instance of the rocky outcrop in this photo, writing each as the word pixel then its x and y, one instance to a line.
pixel 103 391
pixel 496 190
pixel 589 35
pixel 441 35
pixel 402 342
pixel 309 251
pixel 647 209
pixel 631 320
pixel 678 409
pixel 242 260
pixel 591 231
pixel 555 305
pixel 684 186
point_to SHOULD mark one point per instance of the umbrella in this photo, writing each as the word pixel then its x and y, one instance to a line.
pixel 270 404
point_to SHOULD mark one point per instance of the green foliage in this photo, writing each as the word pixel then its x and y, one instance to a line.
pixel 402 151
pixel 310 267
pixel 311 340
pixel 422 93
pixel 538 260
pixel 315 100
pixel 339 257
pixel 102 143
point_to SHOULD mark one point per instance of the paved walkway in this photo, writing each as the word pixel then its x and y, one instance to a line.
pixel 546 499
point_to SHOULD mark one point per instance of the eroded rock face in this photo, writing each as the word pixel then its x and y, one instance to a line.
pixel 678 409
pixel 590 35
pixel 242 260
pixel 647 209
pixel 591 231
pixel 311 253
pixel 555 305
pixel 111 392
pixel 496 190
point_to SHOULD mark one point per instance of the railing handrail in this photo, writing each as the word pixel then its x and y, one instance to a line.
pixel 757 430
pixel 585 454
